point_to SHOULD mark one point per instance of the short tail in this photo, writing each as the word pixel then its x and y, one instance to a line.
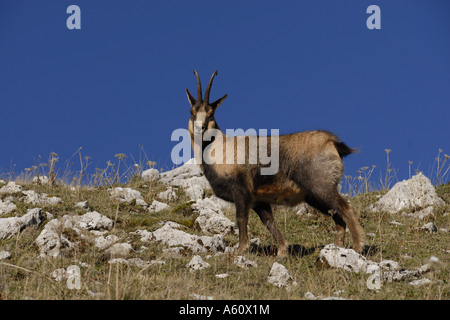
pixel 343 149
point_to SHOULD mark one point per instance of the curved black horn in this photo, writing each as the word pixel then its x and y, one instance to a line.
pixel 199 87
pixel 208 88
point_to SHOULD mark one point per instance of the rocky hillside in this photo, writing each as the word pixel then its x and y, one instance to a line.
pixel 166 236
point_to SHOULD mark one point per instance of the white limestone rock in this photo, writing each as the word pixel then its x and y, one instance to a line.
pixel 120 250
pixel 177 238
pixel 244 262
pixel 158 206
pixel 150 175
pixel 43 199
pixel 279 276
pixel 52 242
pixel 126 194
pixel 13 225
pixel 412 194
pixel 168 195
pixel 4 255
pixel 42 180
pixel 211 218
pixel 197 263
pixel 185 176
pixel 347 259
pixel 194 192
pixel 103 242
pixel 6 207
pixel 429 227
pixel 11 188
pixel 82 205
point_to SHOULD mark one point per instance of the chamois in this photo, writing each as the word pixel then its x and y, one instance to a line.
pixel 310 168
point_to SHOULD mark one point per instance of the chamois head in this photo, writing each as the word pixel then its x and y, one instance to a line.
pixel 202 111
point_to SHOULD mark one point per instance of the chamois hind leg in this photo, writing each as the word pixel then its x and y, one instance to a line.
pixel 345 212
pixel 264 211
pixel 242 203
pixel 343 216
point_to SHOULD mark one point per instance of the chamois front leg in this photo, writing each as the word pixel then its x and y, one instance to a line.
pixel 264 212
pixel 242 209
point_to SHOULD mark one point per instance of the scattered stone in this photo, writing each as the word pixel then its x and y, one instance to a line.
pixel 172 224
pixel 421 214
pixel 412 194
pixel 142 203
pixel 150 175
pixel 402 275
pixel 103 242
pixel 11 188
pixel 347 259
pixel 62 274
pixel 94 221
pixel 429 227
pixel 420 282
pixel 243 262
pixel 395 223
pixel 389 265
pixel 177 238
pixel 207 204
pixel 279 276
pixel 194 192
pixel 197 263
pixel 118 260
pixel 40 199
pixel 6 207
pixel 157 206
pixel 125 194
pixel 168 195
pixel 40 180
pixel 82 205
pixel 211 219
pixel 13 225
pixel 310 296
pixel 214 223
pixel 53 243
pixel 4 255
pixel 94 294
pixel 200 297
pixel 185 176
pixel 138 262
pixel 222 275
pixel 222 203
pixel 59 274
pixel 120 250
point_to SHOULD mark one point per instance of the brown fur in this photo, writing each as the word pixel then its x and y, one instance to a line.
pixel 310 170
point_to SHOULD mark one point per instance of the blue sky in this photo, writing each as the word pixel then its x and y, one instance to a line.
pixel 120 81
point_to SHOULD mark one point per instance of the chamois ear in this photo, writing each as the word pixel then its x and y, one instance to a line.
pixel 218 102
pixel 191 99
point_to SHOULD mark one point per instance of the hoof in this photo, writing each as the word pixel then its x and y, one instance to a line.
pixel 359 247
pixel 242 248
pixel 283 253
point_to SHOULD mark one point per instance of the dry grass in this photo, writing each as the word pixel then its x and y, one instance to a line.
pixel 23 276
